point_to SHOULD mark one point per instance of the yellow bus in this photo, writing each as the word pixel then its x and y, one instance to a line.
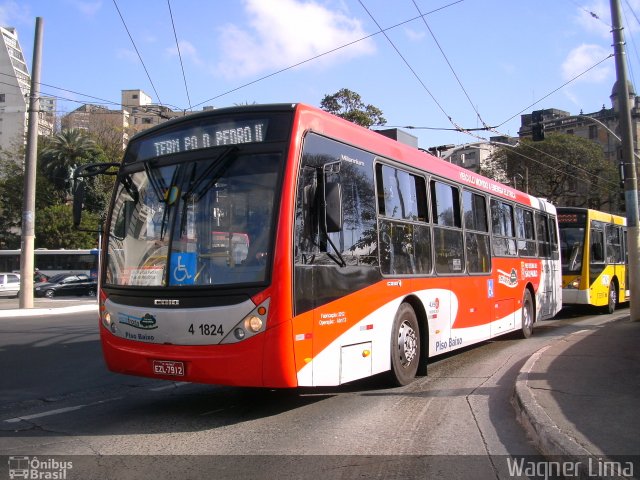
pixel 594 258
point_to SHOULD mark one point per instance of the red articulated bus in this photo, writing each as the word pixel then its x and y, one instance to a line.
pixel 281 246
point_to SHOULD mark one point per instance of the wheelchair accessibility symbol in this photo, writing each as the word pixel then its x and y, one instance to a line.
pixel 183 268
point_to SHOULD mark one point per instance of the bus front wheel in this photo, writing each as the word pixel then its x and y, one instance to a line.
pixel 405 346
pixel 612 298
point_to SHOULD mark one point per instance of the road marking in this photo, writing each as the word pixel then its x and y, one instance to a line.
pixel 58 411
pixel 168 387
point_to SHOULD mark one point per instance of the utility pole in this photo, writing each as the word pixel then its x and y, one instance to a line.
pixel 29 192
pixel 628 161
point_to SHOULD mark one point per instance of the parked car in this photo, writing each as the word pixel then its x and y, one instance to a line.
pixel 66 284
pixel 9 284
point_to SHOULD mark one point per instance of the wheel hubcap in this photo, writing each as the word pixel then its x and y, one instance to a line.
pixel 528 318
pixel 407 344
pixel 612 297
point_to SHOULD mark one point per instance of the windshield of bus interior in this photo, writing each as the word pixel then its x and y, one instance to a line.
pixel 201 222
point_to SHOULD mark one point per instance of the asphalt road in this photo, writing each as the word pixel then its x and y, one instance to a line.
pixel 57 399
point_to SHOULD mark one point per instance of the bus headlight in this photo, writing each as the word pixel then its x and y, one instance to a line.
pixel 574 284
pixel 107 321
pixel 255 322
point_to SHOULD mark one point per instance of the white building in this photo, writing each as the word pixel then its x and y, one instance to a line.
pixel 15 85
pixel 14 90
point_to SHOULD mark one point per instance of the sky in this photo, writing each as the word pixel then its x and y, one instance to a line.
pixel 435 65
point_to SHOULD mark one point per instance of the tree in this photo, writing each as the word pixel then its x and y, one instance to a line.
pixel 54 228
pixel 348 105
pixel 566 169
pixel 64 152
pixel 11 195
pixel 11 187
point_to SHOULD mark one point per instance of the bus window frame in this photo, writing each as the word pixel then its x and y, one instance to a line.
pixel 422 220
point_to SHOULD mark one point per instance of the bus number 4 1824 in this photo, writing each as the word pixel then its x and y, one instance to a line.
pixel 207 329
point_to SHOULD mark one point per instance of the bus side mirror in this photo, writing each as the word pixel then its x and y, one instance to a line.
pixel 333 207
pixel 78 200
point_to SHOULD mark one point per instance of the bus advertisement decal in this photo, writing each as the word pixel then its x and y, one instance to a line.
pixel 508 279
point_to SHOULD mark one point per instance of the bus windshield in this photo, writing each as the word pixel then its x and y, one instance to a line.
pixel 205 222
pixel 572 242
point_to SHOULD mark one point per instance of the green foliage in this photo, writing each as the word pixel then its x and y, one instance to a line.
pixel 64 152
pixel 54 228
pixel 566 169
pixel 349 105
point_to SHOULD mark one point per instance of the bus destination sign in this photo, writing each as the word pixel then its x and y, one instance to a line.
pixel 197 137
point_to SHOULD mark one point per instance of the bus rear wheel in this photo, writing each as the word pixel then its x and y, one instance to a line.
pixel 528 315
pixel 405 346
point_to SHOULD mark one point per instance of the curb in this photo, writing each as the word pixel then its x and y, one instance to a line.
pixel 33 312
pixel 547 436
pixel 551 441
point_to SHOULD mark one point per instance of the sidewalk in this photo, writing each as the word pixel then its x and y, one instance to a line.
pixel 46 306
pixel 579 396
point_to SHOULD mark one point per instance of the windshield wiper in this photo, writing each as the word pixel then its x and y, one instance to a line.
pixel 168 201
pixel 130 187
pixel 156 181
pixel 213 172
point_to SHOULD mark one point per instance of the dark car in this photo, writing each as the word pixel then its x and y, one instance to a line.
pixel 66 284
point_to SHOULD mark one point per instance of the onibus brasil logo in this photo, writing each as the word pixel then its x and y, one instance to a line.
pixel 35 468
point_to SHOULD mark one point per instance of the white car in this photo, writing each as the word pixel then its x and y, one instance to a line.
pixel 9 284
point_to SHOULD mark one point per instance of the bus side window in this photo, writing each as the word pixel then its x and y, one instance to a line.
pixel 477 232
pixel 504 241
pixel 614 244
pixel 597 246
pixel 405 244
pixel 525 232
pixel 542 234
pixel 447 231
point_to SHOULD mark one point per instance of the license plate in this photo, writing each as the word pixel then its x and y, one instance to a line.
pixel 166 367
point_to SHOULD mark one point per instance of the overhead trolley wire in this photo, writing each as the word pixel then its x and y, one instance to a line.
pixel 136 49
pixel 555 90
pixel 577 167
pixel 175 35
pixel 315 57
pixel 450 66
pixel 410 67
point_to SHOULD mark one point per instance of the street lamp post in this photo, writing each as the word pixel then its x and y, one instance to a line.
pixel 629 161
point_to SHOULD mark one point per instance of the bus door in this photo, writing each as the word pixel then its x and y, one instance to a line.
pixel 616 271
pixel 598 279
pixel 625 253
pixel 549 290
pixel 335 257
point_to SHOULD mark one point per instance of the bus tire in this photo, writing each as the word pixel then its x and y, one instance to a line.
pixel 612 297
pixel 528 314
pixel 405 346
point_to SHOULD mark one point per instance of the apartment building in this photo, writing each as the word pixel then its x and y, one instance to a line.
pixel 597 126
pixel 14 90
pixel 144 113
pixel 138 113
pixel 15 87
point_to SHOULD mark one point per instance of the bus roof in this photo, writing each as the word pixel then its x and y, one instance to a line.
pixel 310 118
